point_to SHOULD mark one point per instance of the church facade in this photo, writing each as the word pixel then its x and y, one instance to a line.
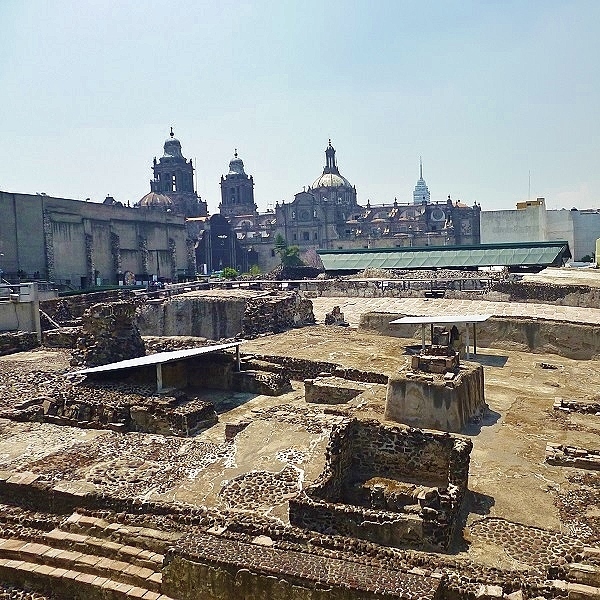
pixel 327 215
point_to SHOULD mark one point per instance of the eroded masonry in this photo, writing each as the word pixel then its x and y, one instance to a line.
pixel 239 443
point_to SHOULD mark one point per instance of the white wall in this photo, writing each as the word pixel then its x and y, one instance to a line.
pixel 501 226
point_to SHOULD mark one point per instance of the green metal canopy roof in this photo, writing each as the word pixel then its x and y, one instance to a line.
pixel 524 254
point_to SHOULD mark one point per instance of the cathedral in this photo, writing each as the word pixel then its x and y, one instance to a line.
pixel 325 215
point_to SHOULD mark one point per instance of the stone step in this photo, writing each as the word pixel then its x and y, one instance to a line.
pixel 71 583
pixel 153 540
pixel 68 540
pixel 48 556
pixel 578 591
pixel 585 574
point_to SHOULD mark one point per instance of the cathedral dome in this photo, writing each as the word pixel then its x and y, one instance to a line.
pixel 156 201
pixel 331 180
pixel 236 165
pixel 172 147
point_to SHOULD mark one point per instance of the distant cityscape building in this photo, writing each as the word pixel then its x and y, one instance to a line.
pixel 421 193
pixel 169 235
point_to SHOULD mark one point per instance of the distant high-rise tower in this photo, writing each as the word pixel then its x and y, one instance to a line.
pixel 237 190
pixel 421 193
pixel 172 188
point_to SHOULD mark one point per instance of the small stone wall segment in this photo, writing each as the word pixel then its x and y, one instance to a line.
pixel 589 407
pixel 18 341
pixel 571 456
pixel 331 390
pixel 299 369
pixel 360 453
pixel 209 566
pixel 65 337
pixel 434 402
pixel 110 334
pixel 276 313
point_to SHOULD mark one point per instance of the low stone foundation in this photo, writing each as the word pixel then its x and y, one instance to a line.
pixel 331 390
pixel 571 456
pixel 17 342
pixel 389 485
pixel 436 401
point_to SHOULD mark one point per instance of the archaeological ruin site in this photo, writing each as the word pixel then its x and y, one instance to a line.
pixel 327 439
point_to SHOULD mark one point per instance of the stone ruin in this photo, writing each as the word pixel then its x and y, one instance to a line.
pixel 438 392
pixel 110 334
pixel 336 317
pixel 390 485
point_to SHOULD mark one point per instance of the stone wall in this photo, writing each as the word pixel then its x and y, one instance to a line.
pixel 109 335
pixel 221 317
pixel 360 453
pixel 583 296
pixel 17 342
pixel 435 402
pixel 68 310
pixel 572 340
pixel 571 456
pixel 300 369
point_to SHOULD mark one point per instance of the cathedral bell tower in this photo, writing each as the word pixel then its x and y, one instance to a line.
pixel 237 191
pixel 172 188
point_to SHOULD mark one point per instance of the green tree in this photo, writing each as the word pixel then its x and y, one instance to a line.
pixel 289 255
pixel 229 273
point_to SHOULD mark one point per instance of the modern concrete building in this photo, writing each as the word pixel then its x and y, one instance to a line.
pixel 532 222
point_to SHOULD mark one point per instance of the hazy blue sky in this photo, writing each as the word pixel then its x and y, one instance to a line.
pixel 484 91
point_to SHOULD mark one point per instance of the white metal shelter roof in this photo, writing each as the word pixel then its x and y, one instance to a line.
pixel 445 320
pixel 156 359
pixel 441 319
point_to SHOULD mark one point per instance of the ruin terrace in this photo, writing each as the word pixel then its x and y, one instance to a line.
pixel 111 490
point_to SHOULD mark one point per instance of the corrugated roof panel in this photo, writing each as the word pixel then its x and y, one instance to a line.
pixel 544 253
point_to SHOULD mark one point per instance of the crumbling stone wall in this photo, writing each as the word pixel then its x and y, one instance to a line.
pixel 572 456
pixel 360 451
pixel 275 313
pixel 300 369
pixel 110 334
pixel 18 341
pixel 217 317
pixel 68 310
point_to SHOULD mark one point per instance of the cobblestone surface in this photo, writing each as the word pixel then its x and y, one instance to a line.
pixel 538 548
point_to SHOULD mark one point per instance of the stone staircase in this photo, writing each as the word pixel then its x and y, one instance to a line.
pixel 582 579
pixel 89 558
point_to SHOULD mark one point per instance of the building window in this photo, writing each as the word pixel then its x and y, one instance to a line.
pixel 315 236
pixel 295 237
pixel 293 214
pixel 305 236
pixel 272 252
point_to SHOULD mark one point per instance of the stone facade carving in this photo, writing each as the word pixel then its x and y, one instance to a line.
pixel 173 258
pixel 115 251
pixel 49 245
pixel 89 259
pixel 143 250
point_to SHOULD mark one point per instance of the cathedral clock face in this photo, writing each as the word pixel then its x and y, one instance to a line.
pixel 304 215
pixel 465 227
